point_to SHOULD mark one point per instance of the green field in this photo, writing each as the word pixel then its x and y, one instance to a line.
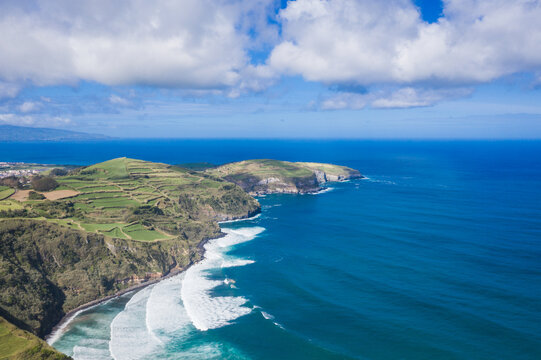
pixel 5 192
pixel 19 344
pixel 139 200
pixel 10 205
pixel 268 176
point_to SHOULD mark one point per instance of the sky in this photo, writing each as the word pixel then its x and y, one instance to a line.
pixel 368 69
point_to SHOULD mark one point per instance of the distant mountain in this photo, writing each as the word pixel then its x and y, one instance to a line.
pixel 11 133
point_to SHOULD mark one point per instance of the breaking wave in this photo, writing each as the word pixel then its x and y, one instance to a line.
pixel 204 310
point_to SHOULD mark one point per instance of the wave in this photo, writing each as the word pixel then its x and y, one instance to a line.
pixel 58 332
pixel 129 332
pixel 91 349
pixel 381 181
pixel 165 315
pixel 204 310
pixel 237 220
pixel 322 191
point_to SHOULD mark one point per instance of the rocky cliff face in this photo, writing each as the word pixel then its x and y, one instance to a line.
pixel 48 270
pixel 259 177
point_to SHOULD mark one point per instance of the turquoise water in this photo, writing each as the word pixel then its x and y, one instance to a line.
pixel 435 256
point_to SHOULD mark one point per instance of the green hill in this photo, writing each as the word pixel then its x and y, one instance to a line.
pixel 273 176
pixel 17 344
pixel 118 224
pixel 113 225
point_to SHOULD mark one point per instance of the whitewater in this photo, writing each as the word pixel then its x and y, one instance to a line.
pixel 169 312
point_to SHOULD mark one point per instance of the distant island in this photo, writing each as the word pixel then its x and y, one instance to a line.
pixel 11 133
pixel 71 237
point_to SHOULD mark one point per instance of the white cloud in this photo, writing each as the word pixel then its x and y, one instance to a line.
pixel 31 120
pixel 29 106
pixel 345 100
pixel 199 44
pixel 117 100
pixel 400 98
pixel 203 47
pixel 411 97
pixel 385 42
pixel 8 90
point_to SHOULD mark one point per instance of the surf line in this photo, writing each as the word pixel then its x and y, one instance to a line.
pixel 205 310
pixel 59 329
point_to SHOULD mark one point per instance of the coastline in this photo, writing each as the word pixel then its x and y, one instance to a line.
pixel 70 315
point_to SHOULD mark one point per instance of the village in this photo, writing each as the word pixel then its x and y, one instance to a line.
pixel 20 169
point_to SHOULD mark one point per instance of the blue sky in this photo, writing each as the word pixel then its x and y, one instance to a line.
pixel 263 68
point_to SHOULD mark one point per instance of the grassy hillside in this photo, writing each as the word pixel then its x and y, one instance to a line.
pixel 47 270
pixel 108 226
pixel 17 344
pixel 5 192
pixel 274 176
pixel 136 200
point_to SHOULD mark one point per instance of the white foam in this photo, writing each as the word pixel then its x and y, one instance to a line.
pixel 267 315
pixel 129 333
pixel 91 350
pixel 204 310
pixel 165 315
pixel 57 333
pixel 322 191
pixel 237 220
pixel 236 262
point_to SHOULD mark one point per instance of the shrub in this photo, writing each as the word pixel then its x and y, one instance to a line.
pixel 43 183
pixel 59 172
pixel 32 195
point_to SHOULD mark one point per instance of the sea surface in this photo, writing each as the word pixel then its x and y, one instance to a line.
pixel 436 255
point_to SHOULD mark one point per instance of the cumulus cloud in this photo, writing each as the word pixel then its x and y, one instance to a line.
pixel 200 44
pixel 373 43
pixel 369 41
pixel 207 47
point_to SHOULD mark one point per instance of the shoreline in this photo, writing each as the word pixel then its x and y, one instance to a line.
pixel 70 315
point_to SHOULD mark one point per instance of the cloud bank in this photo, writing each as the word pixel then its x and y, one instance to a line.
pixel 205 45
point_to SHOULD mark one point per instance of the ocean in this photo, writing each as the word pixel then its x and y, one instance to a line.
pixel 435 255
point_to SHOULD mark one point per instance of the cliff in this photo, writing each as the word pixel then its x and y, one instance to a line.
pixel 259 177
pixel 123 223
pixel 112 225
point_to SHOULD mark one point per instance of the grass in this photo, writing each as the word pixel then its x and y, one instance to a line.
pixel 10 205
pixel 19 344
pixel 100 227
pixel 111 191
pixel 5 192
pixel 115 233
pixel 139 232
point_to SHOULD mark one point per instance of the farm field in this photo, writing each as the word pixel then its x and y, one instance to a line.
pixel 136 200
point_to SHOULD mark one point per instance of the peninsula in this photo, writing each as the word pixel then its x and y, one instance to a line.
pixel 72 237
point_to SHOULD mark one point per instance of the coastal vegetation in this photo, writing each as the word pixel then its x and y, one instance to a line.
pixel 5 192
pixel 274 176
pixel 113 225
pixel 17 344
pixel 72 237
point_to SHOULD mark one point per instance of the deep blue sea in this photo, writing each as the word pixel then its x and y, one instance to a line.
pixel 436 255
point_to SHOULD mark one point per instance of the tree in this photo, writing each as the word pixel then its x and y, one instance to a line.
pixel 43 183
